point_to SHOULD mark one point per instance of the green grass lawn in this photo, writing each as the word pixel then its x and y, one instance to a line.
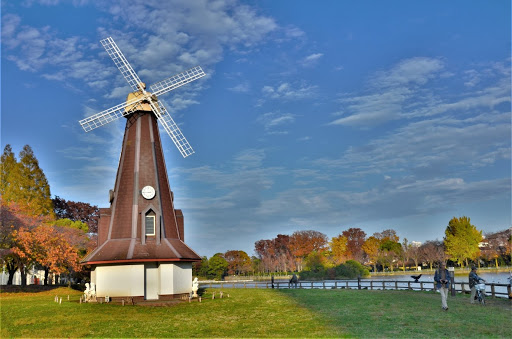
pixel 258 313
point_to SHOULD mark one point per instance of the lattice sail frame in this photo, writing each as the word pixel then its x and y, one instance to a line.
pixel 132 105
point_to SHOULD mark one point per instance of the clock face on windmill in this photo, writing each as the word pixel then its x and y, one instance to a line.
pixel 148 192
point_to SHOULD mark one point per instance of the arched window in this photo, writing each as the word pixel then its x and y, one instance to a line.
pixel 150 221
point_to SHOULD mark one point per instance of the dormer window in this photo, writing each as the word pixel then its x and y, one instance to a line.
pixel 150 222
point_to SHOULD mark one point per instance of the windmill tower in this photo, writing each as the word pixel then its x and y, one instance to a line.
pixel 141 253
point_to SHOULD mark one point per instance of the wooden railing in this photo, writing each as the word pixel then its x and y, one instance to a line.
pixel 366 284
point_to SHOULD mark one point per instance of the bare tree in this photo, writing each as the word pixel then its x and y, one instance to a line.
pixel 432 251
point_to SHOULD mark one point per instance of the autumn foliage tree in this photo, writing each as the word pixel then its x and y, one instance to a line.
pixel 303 243
pixel 29 233
pixel 238 262
pixel 461 240
pixel 274 254
pixel 355 240
pixel 371 248
pixel 49 246
pixel 338 249
pixel 12 219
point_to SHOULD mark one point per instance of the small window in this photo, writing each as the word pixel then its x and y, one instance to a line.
pixel 150 223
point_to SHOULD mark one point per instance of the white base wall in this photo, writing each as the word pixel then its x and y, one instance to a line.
pixel 120 280
pixel 175 278
pixel 143 279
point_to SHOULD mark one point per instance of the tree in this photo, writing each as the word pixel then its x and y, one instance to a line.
pixel 82 226
pixel 77 211
pixel 238 262
pixel 371 248
pixel 266 253
pixel 304 242
pixel 383 248
pixel 217 266
pixel 432 251
pixel 10 174
pixel 389 250
pixel 495 246
pixel 414 253
pixel 315 262
pixel 12 219
pixel 355 240
pixel 201 268
pixel 31 189
pixel 284 257
pixel 461 240
pixel 339 249
pixel 49 247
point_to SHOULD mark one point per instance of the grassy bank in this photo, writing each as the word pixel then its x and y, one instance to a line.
pixel 257 313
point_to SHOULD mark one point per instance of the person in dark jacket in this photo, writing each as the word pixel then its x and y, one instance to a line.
pixel 442 278
pixel 473 281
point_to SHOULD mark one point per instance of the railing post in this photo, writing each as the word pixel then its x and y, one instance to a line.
pixel 311 285
pixel 396 285
pixel 245 284
pixel 409 285
pixel 346 284
pixel 371 285
pixel 323 283
pixel 509 291
pixel 492 290
pixel 358 283
pixel 421 285
pixel 336 284
pixel 383 285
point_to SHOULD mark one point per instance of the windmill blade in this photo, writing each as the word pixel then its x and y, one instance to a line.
pixel 176 81
pixel 111 114
pixel 121 63
pixel 172 129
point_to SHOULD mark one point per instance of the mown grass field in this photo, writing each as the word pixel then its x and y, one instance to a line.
pixel 259 313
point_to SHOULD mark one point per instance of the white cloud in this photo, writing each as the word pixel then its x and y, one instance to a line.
pixel 411 71
pixel 287 91
pixel 404 92
pixel 241 88
pixel 275 120
pixel 311 59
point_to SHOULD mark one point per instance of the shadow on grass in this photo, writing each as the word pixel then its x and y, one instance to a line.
pixel 28 288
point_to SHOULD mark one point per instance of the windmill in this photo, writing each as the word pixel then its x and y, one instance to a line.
pixel 140 97
pixel 141 253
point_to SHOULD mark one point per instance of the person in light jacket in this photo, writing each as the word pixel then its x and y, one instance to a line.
pixel 442 278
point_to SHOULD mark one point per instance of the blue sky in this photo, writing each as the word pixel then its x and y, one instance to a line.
pixel 317 115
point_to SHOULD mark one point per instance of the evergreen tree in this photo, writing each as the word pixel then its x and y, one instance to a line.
pixel 33 190
pixel 10 174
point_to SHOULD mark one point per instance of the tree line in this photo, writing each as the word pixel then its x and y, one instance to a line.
pixel 36 230
pixel 54 234
pixel 352 252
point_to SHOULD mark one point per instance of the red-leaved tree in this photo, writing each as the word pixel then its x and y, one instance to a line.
pixel 303 243
pixel 50 246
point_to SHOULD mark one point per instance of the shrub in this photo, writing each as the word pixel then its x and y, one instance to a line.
pixel 351 269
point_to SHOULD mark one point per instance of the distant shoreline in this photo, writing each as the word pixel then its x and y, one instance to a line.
pixel 458 271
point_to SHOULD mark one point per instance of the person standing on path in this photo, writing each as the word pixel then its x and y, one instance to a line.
pixel 442 278
pixel 473 281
